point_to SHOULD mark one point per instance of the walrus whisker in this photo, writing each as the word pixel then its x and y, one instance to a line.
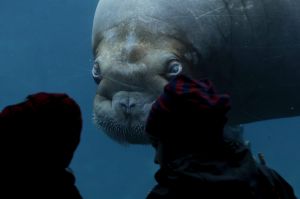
pixel 120 132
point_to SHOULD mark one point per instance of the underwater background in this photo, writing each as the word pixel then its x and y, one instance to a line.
pixel 46 46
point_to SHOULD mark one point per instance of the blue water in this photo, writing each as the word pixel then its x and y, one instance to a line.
pixel 46 46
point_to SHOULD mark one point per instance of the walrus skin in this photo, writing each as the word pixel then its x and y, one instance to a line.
pixel 250 49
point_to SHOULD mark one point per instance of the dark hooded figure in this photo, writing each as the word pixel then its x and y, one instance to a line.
pixel 197 161
pixel 38 139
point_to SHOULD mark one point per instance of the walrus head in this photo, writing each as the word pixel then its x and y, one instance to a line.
pixel 133 63
pixel 140 45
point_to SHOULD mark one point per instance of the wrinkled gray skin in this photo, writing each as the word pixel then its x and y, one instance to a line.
pixel 250 49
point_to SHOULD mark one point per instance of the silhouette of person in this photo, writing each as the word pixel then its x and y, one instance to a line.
pixel 38 140
pixel 185 126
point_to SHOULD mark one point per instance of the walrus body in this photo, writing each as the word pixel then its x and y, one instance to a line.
pixel 250 49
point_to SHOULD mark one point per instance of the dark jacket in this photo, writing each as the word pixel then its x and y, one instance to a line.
pixel 235 175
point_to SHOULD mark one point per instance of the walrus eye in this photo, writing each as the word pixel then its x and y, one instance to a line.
pixel 174 68
pixel 96 73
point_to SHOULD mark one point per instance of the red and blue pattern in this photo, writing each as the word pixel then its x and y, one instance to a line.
pixel 184 97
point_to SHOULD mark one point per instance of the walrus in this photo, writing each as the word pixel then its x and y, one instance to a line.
pixel 250 49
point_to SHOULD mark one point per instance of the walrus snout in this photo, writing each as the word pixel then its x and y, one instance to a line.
pixel 131 104
pixel 127 106
pixel 123 115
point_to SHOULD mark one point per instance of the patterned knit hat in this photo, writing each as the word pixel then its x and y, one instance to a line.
pixel 188 107
pixel 46 123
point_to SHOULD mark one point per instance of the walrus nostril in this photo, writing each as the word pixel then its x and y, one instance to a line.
pixel 132 105
pixel 127 106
